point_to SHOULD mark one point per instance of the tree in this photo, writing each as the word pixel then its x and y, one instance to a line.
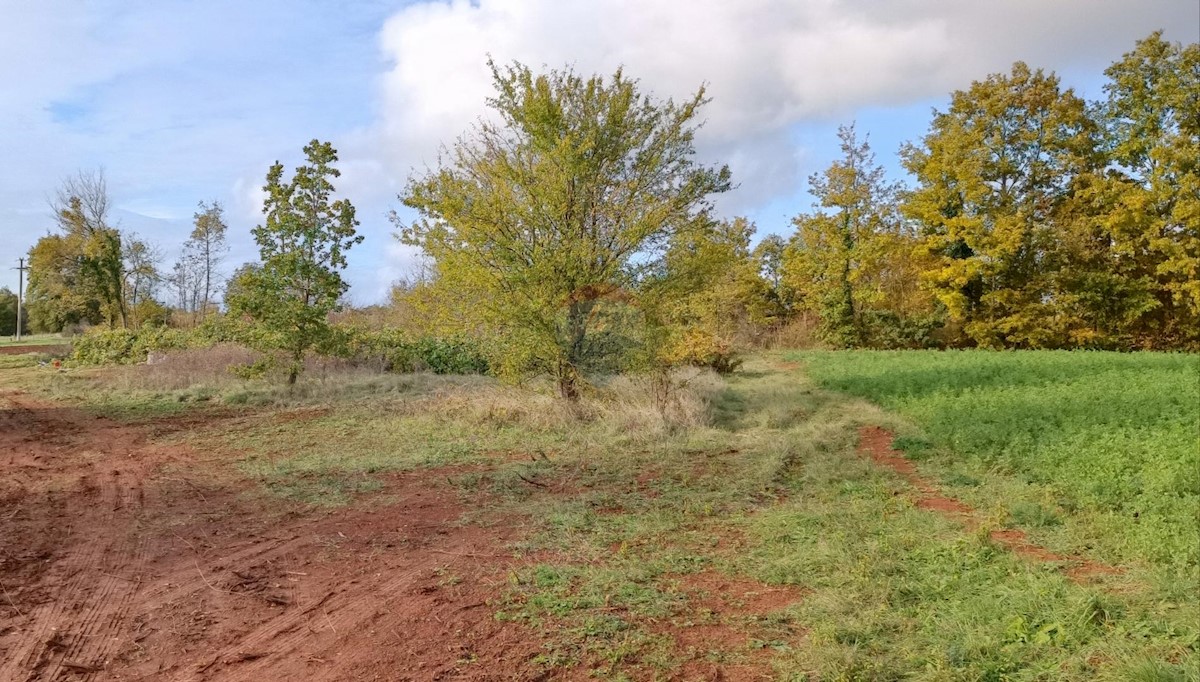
pixel 185 282
pixel 1148 237
pixel 557 208
pixel 995 175
pixel 780 301
pixel 141 281
pixel 709 296
pixel 78 275
pixel 302 246
pixel 207 247
pixel 8 313
pixel 836 253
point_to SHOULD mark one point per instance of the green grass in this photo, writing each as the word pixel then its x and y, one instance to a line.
pixel 35 340
pixel 771 491
pixel 1094 453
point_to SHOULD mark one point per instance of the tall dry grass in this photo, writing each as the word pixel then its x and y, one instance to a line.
pixel 636 406
pixel 632 405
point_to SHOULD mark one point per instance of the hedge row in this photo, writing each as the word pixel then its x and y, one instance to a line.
pixel 390 350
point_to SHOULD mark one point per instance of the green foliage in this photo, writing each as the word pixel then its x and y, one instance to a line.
pixel 541 222
pixel 995 175
pixel 101 346
pixel 8 314
pixel 708 300
pixel 396 351
pixel 852 262
pixel 302 247
pixel 1148 280
pixel 1106 439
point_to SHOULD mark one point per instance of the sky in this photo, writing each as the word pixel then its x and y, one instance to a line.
pixel 182 101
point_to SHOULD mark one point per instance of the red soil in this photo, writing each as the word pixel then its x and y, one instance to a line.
pixel 57 349
pixel 877 443
pixel 718 607
pixel 121 559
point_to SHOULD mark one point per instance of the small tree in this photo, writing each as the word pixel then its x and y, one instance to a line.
pixel 543 216
pixel 302 246
pixel 207 248
pixel 836 246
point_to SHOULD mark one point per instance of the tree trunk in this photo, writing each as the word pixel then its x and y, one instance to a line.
pixel 568 367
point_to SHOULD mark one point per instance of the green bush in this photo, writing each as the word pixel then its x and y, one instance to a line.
pixel 393 351
pixel 129 346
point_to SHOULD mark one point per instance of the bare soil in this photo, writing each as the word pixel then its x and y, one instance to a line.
pixel 54 348
pixel 876 443
pixel 124 559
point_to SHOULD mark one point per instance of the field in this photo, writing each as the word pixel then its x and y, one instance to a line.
pixel 815 516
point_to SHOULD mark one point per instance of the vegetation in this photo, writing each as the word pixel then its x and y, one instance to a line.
pixel 302 246
pixel 573 235
pixel 195 276
pixel 747 511
pixel 1099 450
pixel 543 219
pixel 8 314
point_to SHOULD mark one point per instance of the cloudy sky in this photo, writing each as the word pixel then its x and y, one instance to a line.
pixel 188 100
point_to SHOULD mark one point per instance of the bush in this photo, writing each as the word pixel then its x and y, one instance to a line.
pixel 885 330
pixel 393 351
pixel 697 348
pixel 128 346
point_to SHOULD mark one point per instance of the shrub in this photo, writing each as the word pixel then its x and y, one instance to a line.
pixel 392 350
pixel 698 348
pixel 127 346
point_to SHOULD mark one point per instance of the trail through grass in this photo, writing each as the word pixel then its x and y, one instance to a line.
pixel 1095 453
pixel 759 539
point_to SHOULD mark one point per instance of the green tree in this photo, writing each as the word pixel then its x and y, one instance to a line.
pixel 8 313
pixel 206 249
pixel 78 275
pixel 780 299
pixel 996 173
pixel 141 281
pixel 1148 236
pixel 836 248
pixel 709 297
pixel 560 205
pixel 302 246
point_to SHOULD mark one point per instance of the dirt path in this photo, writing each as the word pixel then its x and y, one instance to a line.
pixel 58 348
pixel 124 559
pixel 877 444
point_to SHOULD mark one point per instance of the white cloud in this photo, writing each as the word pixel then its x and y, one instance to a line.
pixel 769 64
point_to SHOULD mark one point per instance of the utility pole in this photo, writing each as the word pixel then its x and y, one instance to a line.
pixel 20 291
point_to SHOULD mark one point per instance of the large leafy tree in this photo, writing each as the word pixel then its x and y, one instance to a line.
pixel 8 313
pixel 557 204
pixel 836 253
pixel 302 247
pixel 78 274
pixel 995 174
pixel 1149 220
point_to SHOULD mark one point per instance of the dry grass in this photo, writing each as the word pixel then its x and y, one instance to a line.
pixel 639 405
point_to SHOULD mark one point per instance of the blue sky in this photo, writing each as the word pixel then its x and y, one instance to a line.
pixel 181 101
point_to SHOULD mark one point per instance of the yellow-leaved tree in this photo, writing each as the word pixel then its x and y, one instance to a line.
pixel 546 217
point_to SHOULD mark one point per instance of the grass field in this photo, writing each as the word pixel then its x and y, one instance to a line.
pixel 33 340
pixel 1097 453
pixel 743 530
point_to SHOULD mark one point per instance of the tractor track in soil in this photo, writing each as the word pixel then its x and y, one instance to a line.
pixel 123 558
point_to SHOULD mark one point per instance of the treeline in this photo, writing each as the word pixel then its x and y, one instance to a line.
pixel 1037 219
pixel 88 272
pixel 574 233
